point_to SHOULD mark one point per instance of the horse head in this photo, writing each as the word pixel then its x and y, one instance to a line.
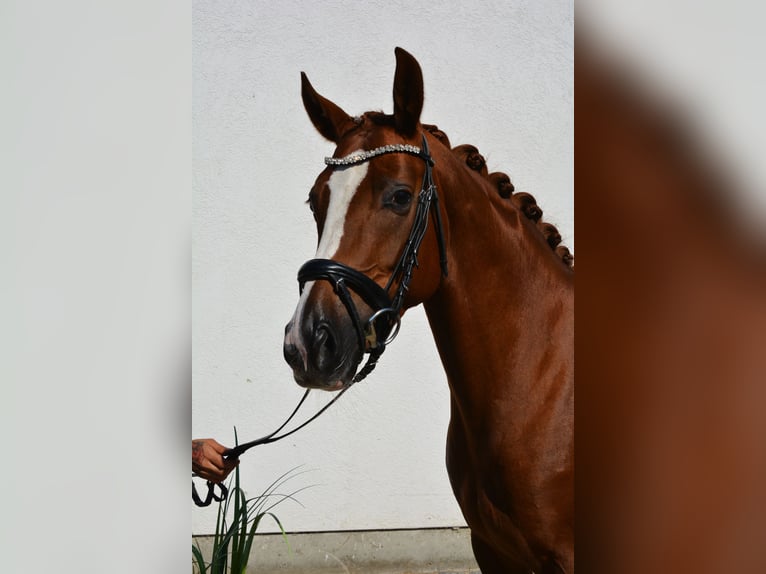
pixel 372 214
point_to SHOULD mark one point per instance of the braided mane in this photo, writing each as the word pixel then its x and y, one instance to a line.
pixel 523 201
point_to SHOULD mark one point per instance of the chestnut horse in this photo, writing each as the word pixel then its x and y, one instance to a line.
pixel 498 290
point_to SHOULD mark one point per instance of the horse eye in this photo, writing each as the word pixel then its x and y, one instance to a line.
pixel 401 197
pixel 397 199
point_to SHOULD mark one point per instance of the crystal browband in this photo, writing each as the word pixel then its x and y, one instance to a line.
pixel 362 156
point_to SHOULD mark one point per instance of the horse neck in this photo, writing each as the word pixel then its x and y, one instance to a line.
pixel 503 318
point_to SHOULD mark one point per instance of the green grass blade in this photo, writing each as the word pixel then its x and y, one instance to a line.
pixel 238 496
pixel 199 559
pixel 251 536
pixel 240 507
pixel 282 497
pixel 239 532
pixel 220 544
pixel 282 530
pixel 222 538
pixel 232 530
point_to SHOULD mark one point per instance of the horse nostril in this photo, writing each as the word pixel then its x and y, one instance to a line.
pixel 292 356
pixel 325 348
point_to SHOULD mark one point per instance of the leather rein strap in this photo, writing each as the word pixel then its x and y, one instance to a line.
pixel 237 451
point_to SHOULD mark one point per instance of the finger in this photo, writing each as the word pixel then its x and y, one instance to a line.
pixel 229 468
pixel 211 474
pixel 213 477
pixel 203 469
pixel 219 475
pixel 210 443
pixel 206 475
pixel 214 457
pixel 211 461
pixel 204 454
pixel 208 462
pixel 218 447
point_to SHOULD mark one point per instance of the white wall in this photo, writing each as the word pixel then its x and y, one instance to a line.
pixel 498 75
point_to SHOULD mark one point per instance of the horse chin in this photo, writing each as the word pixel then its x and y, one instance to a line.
pixel 330 386
pixel 334 381
pixel 333 387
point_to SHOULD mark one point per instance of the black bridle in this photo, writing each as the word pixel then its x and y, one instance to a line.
pixel 383 325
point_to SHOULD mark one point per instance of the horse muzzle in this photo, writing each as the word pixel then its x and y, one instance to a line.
pixel 322 353
pixel 328 336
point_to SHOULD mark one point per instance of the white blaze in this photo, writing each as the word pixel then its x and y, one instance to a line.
pixel 343 184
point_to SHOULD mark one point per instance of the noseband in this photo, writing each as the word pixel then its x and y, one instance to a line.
pixel 382 327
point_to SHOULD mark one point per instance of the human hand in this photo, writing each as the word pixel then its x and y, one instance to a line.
pixel 208 461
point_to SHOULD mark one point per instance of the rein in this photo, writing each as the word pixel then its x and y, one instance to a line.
pixel 237 451
pixel 383 326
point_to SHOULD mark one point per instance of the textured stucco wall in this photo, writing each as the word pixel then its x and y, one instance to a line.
pixel 498 75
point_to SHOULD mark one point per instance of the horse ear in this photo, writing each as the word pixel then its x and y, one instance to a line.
pixel 329 120
pixel 408 92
